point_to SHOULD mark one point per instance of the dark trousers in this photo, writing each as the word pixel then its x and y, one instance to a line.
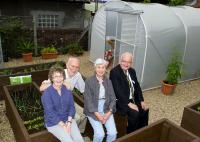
pixel 137 119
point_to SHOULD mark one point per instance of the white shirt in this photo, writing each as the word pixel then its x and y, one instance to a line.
pixel 76 80
pixel 101 91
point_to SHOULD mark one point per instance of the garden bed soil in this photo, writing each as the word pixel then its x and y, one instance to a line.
pixel 191 118
pixel 17 119
pixel 160 131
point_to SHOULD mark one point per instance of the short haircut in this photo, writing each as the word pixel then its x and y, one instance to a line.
pixel 126 54
pixel 56 68
pixel 72 58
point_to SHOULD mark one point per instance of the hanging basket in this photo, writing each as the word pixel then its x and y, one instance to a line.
pixel 167 89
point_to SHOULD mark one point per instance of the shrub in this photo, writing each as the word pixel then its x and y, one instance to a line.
pixel 75 49
pixel 12 30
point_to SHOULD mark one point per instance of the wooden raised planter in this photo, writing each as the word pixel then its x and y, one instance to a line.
pixel 17 124
pixel 160 131
pixel 49 55
pixel 37 72
pixel 191 118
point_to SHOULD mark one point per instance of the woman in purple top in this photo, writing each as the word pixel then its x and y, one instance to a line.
pixel 59 108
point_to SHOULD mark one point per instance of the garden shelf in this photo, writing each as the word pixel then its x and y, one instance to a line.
pixel 160 131
pixel 39 72
pixel 15 116
pixel 191 118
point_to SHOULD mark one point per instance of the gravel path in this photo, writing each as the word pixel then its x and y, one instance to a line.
pixel 161 106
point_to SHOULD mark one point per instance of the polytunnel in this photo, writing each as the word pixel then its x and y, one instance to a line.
pixel 151 32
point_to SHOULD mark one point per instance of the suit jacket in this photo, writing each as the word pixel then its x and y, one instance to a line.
pixel 91 96
pixel 122 90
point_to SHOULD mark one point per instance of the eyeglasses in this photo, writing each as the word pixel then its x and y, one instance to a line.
pixel 128 62
pixel 60 76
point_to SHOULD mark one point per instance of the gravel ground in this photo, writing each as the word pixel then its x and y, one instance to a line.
pixel 161 106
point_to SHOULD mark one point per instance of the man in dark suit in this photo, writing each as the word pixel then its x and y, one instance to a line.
pixel 128 93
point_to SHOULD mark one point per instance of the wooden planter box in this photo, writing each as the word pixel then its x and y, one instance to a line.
pixel 49 55
pixel 36 71
pixel 160 131
pixel 191 118
pixel 17 124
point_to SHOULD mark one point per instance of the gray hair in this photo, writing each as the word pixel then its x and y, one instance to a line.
pixel 126 54
pixel 56 68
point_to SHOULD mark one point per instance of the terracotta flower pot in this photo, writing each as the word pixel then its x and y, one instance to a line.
pixel 27 57
pixel 167 89
pixel 49 55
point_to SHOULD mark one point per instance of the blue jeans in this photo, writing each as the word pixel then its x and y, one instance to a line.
pixel 98 127
pixel 63 136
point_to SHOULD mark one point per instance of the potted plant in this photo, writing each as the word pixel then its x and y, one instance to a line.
pixel 25 47
pixel 75 49
pixel 49 52
pixel 173 74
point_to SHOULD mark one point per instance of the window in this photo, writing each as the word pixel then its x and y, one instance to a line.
pixel 48 19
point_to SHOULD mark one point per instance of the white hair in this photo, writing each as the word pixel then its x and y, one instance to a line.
pixel 126 54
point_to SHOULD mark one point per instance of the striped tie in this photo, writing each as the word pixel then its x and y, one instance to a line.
pixel 130 84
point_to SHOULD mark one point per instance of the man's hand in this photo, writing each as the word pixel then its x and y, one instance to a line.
pixel 45 84
pixel 68 85
pixel 144 105
pixel 133 106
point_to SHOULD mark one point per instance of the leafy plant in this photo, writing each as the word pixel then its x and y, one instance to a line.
pixel 63 50
pixel 6 72
pixel 25 46
pixel 30 108
pixel 147 1
pixel 198 108
pixel 176 2
pixel 174 70
pixel 75 49
pixel 12 29
pixel 50 49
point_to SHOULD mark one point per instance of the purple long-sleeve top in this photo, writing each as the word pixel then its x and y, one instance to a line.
pixel 57 107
